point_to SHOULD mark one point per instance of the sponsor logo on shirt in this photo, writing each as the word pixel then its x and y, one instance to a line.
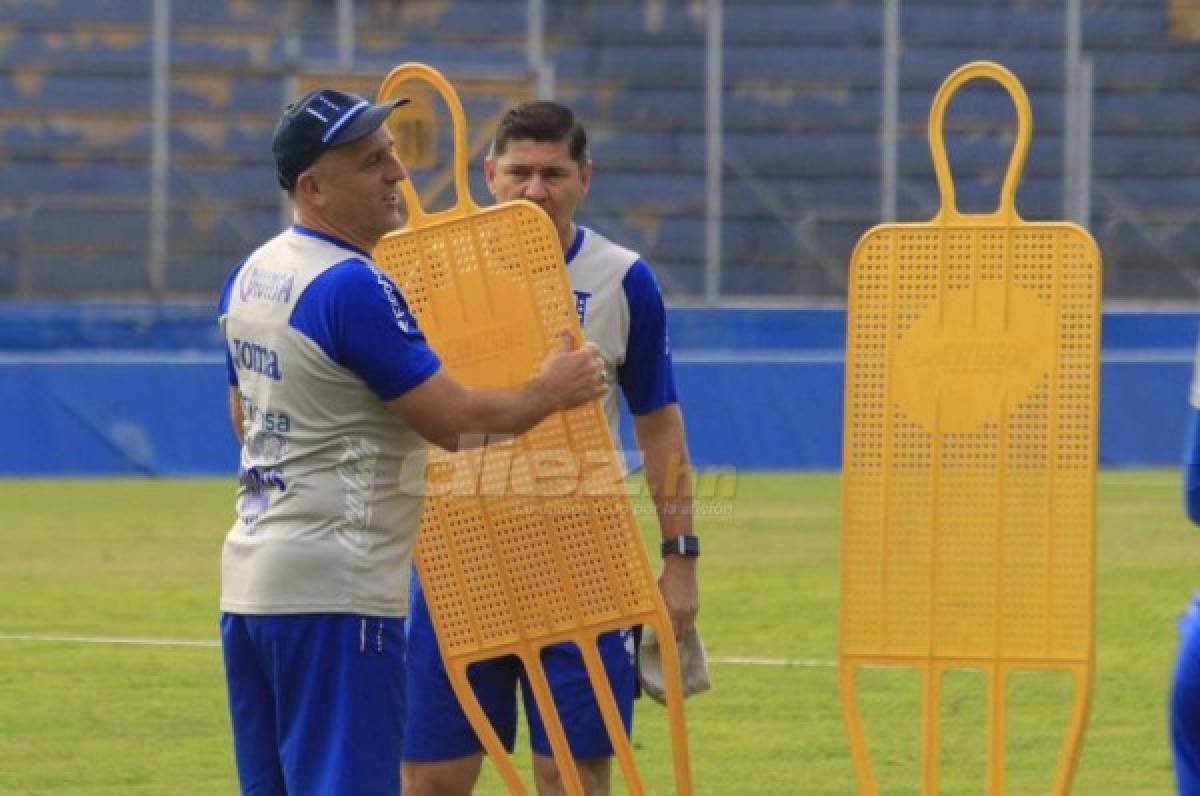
pixel 257 358
pixel 255 498
pixel 403 319
pixel 262 285
pixel 269 420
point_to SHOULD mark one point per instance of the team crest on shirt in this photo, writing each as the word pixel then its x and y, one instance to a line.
pixel 581 302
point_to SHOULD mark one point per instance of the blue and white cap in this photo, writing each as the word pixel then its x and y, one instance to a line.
pixel 319 121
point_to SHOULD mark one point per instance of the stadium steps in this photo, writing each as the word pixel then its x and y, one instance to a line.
pixel 801 108
pixel 802 111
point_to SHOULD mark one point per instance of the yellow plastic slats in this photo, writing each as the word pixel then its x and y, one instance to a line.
pixel 969 459
pixel 529 541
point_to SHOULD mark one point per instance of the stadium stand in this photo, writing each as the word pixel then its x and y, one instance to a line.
pixel 801 120
pixel 801 113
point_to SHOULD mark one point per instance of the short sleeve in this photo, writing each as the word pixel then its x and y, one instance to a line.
pixel 359 318
pixel 647 378
pixel 222 310
pixel 1194 393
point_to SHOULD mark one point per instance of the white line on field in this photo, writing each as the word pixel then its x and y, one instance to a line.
pixel 812 663
pixel 732 660
pixel 145 642
pixel 109 357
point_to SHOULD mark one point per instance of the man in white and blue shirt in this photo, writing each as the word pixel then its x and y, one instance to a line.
pixel 539 153
pixel 333 394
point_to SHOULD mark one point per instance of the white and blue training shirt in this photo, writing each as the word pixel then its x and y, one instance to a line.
pixel 621 310
pixel 318 338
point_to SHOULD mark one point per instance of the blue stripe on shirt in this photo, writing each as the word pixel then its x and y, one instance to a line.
pixel 309 232
pixel 646 377
pixel 1191 467
pixel 358 317
pixel 576 243
pixel 222 308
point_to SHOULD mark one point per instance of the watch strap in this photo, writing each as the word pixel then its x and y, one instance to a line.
pixel 683 545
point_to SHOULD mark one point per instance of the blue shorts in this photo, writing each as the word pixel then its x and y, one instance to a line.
pixel 317 702
pixel 1185 703
pixel 437 729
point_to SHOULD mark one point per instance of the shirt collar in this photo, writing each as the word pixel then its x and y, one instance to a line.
pixel 575 244
pixel 315 233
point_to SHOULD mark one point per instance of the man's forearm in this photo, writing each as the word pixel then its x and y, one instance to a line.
pixel 668 472
pixel 669 475
pixel 506 411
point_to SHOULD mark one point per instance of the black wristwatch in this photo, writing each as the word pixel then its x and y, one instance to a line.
pixel 682 545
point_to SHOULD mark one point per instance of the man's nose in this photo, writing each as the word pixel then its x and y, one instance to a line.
pixel 398 170
pixel 535 189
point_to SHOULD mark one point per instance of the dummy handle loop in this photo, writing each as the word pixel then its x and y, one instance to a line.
pixel 417 215
pixel 978 70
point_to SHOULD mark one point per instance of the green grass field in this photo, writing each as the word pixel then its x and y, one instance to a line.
pixel 139 559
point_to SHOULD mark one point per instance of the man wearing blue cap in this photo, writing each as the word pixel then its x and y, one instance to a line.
pixel 333 394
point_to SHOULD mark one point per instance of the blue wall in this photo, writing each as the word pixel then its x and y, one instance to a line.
pixel 138 389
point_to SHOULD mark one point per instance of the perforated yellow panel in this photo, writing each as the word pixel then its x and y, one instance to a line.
pixel 529 541
pixel 490 293
pixel 968 533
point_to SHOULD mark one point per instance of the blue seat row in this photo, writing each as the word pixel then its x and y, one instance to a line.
pixel 657 196
pixel 840 68
pixel 751 106
pixel 96 274
pixel 861 24
pixel 768 259
pixel 807 149
pixel 224 13
pixel 1164 184
pixel 820 154
pixel 80 91
pixel 127 48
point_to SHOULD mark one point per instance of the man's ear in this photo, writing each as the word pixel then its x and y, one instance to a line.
pixel 308 187
pixel 489 174
pixel 585 177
